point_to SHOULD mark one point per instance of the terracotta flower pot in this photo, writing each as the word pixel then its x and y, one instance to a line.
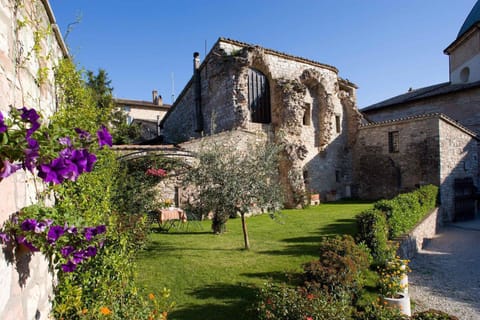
pixel 400 301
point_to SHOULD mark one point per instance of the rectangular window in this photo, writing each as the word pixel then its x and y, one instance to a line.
pixel 337 176
pixel 393 141
pixel 307 116
pixel 337 123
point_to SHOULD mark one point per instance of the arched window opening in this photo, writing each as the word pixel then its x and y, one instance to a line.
pixel 258 97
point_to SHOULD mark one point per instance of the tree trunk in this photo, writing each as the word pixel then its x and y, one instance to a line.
pixel 245 232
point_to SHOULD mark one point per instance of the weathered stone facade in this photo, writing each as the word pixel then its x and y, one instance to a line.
pixel 461 105
pixel 313 113
pixel 26 79
pixel 432 149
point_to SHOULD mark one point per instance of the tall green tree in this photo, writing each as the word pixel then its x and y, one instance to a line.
pixel 102 91
pixel 235 182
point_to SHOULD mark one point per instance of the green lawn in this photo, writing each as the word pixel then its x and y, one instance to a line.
pixel 211 277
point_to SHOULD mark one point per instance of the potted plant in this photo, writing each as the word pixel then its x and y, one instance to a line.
pixel 394 284
pixel 314 197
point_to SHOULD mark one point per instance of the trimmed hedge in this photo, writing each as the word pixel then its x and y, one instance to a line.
pixel 373 231
pixel 407 209
pixel 391 218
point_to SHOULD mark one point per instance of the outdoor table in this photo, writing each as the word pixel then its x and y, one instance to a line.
pixel 168 217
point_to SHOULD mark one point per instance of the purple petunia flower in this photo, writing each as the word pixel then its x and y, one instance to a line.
pixel 28 225
pixel 83 160
pixel 91 251
pixel 71 230
pixel 29 245
pixel 89 233
pixel 66 251
pixel 65 141
pixel 69 266
pixel 101 229
pixel 40 227
pixel 78 257
pixel 104 137
pixel 4 237
pixel 8 168
pixel 31 154
pixel 84 135
pixel 54 233
pixel 31 116
pixel 57 170
pixel 3 126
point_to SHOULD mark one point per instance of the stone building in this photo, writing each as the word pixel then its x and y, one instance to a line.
pixel 399 155
pixel 427 135
pixel 459 98
pixel 26 79
pixel 301 103
pixel 146 114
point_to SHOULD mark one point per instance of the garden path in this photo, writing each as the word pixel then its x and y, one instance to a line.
pixel 446 272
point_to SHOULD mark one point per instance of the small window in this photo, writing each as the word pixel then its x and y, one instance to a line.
pixel 465 74
pixel 307 115
pixel 337 123
pixel 126 108
pixel 337 176
pixel 305 177
pixel 393 141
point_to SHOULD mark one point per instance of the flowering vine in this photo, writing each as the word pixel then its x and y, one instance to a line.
pixel 54 155
pixel 64 155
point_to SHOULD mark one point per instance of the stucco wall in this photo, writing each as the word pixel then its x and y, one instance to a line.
pixel 145 113
pixel 26 79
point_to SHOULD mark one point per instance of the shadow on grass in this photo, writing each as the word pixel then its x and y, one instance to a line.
pixel 277 276
pixel 232 302
pixel 308 245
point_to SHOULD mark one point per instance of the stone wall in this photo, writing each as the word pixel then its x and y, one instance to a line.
pixel 461 106
pixel 379 173
pixel 26 79
pixel 317 155
pixel 459 159
pixel 432 149
pixel 413 242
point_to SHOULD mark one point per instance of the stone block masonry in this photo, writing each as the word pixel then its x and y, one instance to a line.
pixel 312 113
pixel 26 79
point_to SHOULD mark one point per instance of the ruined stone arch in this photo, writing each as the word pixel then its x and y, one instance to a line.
pixel 315 83
pixel 351 114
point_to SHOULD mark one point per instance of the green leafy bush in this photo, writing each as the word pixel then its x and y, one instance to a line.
pixel 104 286
pixel 433 314
pixel 378 311
pixel 339 269
pixel 406 210
pixel 373 231
pixel 283 302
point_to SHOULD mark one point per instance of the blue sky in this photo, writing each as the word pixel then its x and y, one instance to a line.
pixel 383 46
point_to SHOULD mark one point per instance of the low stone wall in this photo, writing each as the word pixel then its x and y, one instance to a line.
pixel 411 243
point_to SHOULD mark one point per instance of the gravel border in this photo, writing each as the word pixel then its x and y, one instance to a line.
pixel 446 273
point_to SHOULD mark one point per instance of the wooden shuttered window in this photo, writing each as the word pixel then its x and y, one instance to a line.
pixel 259 97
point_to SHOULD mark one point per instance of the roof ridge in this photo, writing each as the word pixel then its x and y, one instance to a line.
pixel 279 53
pixel 439 115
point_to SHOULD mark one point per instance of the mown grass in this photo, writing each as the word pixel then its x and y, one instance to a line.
pixel 212 277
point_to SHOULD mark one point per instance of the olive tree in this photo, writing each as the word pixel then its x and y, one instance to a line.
pixel 232 182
